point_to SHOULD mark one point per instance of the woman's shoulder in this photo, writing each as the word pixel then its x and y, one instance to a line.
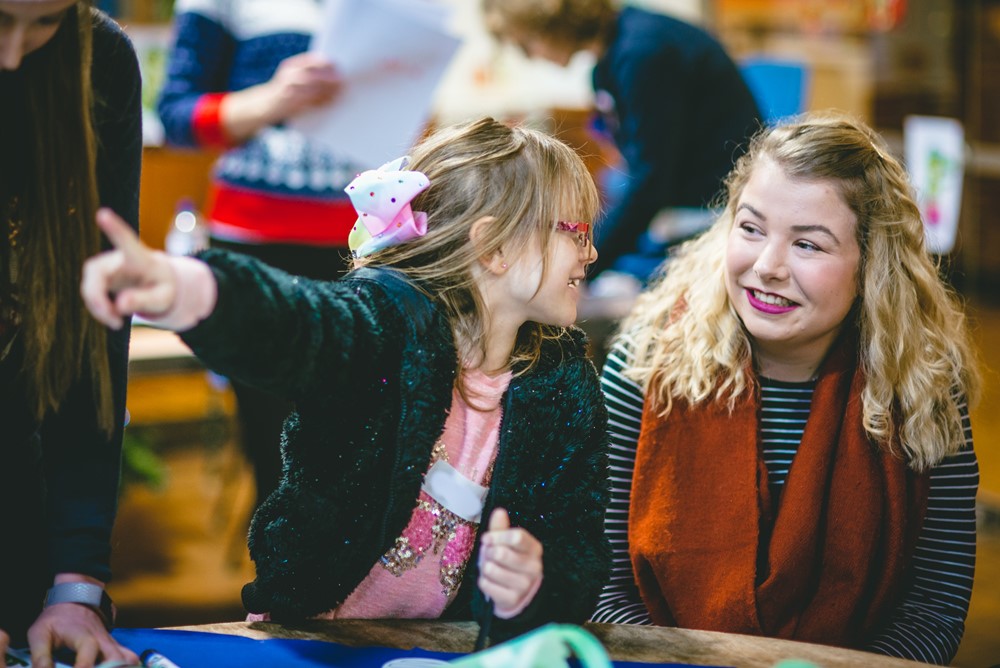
pixel 115 62
pixel 651 32
pixel 622 347
pixel 109 36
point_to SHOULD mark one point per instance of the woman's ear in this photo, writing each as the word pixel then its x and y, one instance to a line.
pixel 481 232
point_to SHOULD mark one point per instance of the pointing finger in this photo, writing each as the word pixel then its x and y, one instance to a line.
pixel 121 235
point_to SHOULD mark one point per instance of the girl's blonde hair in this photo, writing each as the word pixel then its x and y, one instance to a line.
pixel 53 201
pixel 523 181
pixel 914 346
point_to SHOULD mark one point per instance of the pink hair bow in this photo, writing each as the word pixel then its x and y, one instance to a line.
pixel 382 199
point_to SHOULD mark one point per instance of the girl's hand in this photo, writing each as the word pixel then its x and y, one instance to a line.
pixel 127 280
pixel 510 566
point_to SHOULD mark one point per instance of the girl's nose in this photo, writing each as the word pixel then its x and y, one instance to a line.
pixel 591 254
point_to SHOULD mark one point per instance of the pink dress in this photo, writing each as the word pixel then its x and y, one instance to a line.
pixel 419 576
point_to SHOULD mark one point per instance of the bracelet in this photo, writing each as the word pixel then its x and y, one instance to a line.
pixel 86 594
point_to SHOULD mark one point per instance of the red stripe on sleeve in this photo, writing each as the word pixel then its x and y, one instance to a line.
pixel 207 121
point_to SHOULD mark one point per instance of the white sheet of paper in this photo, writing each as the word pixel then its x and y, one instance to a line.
pixel 22 657
pixel 935 158
pixel 392 54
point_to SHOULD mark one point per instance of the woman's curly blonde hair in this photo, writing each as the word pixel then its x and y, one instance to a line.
pixel 914 345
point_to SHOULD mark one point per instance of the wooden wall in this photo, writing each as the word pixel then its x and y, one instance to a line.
pixel 169 175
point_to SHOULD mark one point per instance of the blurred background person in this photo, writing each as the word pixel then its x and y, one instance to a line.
pixel 236 72
pixel 667 92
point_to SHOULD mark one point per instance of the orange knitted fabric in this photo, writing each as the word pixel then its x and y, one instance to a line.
pixel 710 550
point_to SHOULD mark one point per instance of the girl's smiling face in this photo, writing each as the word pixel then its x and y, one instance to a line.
pixel 27 25
pixel 551 296
pixel 791 266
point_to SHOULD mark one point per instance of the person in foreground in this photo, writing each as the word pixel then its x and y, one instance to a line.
pixel 450 431
pixel 789 414
pixel 70 140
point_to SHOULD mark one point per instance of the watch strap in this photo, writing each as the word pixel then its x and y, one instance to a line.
pixel 84 593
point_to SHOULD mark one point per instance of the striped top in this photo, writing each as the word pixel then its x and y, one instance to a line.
pixel 929 620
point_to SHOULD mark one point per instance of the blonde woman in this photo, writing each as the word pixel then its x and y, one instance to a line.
pixel 789 417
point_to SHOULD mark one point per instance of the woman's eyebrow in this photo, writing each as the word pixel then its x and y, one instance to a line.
pixel 744 205
pixel 822 229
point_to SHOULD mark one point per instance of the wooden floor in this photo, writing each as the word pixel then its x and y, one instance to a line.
pixel 180 554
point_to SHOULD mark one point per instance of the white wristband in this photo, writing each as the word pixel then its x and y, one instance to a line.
pixel 91 595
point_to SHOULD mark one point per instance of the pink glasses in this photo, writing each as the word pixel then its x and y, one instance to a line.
pixel 581 230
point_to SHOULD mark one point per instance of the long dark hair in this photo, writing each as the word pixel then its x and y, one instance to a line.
pixel 53 200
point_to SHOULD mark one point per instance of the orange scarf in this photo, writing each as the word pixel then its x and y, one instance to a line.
pixel 711 551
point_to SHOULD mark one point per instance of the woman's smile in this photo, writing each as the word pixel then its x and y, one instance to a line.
pixel 770 303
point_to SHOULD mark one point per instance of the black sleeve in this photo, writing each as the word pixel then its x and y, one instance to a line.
pixel 620 602
pixel 199 63
pixel 928 622
pixel 118 114
pixel 287 335
pixel 82 465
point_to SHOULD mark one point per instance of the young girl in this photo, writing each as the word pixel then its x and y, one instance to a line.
pixel 438 387
pixel 70 141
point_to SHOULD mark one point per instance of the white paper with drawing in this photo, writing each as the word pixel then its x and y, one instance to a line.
pixel 935 157
pixel 392 54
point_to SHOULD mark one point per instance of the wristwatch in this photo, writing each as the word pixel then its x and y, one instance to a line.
pixel 83 593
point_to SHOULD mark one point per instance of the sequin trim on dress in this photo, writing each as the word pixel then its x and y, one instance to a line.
pixel 433 529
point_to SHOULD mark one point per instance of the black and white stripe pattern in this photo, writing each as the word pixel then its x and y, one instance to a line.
pixel 784 409
pixel 620 603
pixel 929 621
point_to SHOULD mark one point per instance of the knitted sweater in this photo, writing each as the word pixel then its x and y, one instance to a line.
pixel 276 187
pixel 372 385
pixel 928 622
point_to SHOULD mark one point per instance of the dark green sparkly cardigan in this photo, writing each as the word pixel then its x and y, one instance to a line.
pixel 371 401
